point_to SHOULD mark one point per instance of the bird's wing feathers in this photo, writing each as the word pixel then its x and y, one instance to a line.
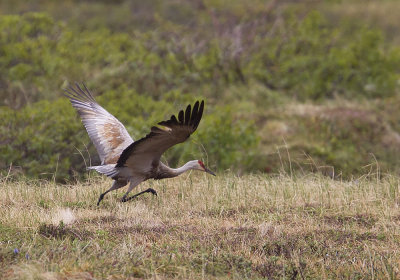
pixel 106 132
pixel 142 153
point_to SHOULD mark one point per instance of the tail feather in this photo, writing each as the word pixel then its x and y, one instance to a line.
pixel 108 169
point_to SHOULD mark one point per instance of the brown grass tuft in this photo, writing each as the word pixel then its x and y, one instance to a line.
pixel 202 227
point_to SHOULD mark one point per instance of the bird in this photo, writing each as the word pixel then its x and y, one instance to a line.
pixel 128 161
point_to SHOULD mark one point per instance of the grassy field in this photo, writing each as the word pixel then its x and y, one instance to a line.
pixel 201 227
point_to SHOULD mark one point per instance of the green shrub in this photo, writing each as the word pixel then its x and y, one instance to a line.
pixel 308 59
pixel 27 44
pixel 42 139
pixel 315 60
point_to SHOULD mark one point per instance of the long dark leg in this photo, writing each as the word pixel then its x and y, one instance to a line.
pixel 150 190
pixel 116 185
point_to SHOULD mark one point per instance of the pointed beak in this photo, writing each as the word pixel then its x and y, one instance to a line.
pixel 209 171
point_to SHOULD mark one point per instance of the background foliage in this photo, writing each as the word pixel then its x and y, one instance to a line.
pixel 288 86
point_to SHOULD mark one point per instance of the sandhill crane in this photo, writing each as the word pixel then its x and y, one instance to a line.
pixel 125 160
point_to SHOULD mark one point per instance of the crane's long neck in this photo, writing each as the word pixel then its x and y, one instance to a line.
pixel 168 172
pixel 187 166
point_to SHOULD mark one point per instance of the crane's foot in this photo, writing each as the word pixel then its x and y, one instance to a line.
pixel 150 190
pixel 100 198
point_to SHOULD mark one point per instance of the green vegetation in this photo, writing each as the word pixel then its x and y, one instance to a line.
pixel 298 87
pixel 203 227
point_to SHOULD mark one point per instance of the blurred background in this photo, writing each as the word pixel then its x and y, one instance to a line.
pixel 290 86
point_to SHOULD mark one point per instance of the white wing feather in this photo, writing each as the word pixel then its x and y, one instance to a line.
pixel 107 133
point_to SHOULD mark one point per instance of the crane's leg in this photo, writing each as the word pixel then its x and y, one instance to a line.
pixel 150 190
pixel 116 185
pixel 133 184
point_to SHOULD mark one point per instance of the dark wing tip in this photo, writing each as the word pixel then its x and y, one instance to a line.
pixel 195 112
pixel 190 117
pixel 171 121
pixel 199 115
pixel 187 114
pixel 181 117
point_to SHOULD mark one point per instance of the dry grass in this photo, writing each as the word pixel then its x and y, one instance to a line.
pixel 203 227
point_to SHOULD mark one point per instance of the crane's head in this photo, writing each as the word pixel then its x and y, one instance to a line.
pixel 200 166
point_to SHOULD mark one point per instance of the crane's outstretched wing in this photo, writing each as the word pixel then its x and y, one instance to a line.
pixel 148 150
pixel 106 132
